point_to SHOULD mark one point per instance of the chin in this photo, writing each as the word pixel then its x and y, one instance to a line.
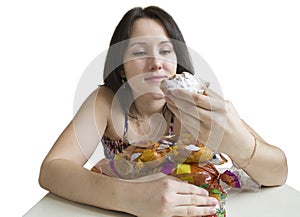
pixel 156 95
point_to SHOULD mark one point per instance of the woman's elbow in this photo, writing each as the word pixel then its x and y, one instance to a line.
pixel 280 170
pixel 283 169
pixel 43 175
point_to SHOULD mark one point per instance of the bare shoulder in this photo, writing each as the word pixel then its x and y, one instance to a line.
pixel 96 109
pixel 104 98
pixel 104 93
pixel 108 108
pixel 99 99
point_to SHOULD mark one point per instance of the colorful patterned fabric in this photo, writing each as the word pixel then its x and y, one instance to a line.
pixel 112 147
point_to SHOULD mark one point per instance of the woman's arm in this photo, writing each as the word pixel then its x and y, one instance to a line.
pixel 74 182
pixel 164 196
pixel 265 163
pixel 211 118
pixel 62 173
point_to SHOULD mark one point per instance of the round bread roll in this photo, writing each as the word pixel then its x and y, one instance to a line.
pixel 205 176
pixel 197 174
pixel 189 150
pixel 141 159
pixel 186 81
pixel 146 151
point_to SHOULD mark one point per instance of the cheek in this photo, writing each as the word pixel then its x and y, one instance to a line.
pixel 171 64
pixel 133 71
pixel 171 67
pixel 133 68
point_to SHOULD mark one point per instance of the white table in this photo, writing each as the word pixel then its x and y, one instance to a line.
pixel 281 201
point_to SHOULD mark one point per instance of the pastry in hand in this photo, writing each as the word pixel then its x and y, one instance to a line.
pixel 186 81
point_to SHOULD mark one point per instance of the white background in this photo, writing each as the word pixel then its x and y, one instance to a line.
pixel 253 48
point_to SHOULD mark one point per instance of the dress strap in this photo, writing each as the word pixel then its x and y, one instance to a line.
pixel 171 127
pixel 125 134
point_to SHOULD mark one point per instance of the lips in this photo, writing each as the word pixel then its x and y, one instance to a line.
pixel 156 78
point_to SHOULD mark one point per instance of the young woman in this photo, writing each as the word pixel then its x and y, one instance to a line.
pixel 143 51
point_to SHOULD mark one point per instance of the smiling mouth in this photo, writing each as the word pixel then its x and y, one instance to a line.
pixel 156 78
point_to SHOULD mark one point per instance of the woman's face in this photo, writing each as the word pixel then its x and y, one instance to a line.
pixel 149 58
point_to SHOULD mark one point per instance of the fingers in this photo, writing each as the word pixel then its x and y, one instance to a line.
pixel 193 121
pixel 196 200
pixel 186 188
pixel 194 210
pixel 188 112
pixel 193 201
pixel 185 99
pixel 211 93
pixel 184 199
pixel 206 126
pixel 205 111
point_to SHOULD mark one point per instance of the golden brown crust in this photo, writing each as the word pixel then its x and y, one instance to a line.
pixel 198 174
pixel 145 153
pixel 189 150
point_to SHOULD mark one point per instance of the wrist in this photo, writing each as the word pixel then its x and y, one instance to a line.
pixel 248 161
pixel 121 192
pixel 125 195
pixel 242 152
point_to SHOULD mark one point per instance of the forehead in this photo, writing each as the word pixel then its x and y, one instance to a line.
pixel 145 27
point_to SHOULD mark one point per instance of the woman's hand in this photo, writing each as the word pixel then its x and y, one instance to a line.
pixel 164 196
pixel 168 196
pixel 210 118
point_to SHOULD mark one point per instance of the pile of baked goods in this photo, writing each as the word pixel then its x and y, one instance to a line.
pixel 183 157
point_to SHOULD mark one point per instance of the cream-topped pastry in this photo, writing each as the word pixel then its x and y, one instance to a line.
pixel 186 81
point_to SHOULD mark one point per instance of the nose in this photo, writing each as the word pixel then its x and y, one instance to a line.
pixel 155 64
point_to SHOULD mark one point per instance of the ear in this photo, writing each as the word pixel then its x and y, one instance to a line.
pixel 123 76
pixel 122 73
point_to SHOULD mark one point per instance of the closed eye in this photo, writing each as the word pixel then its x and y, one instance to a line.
pixel 164 52
pixel 139 53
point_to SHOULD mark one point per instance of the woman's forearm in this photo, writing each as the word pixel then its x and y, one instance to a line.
pixel 73 182
pixel 265 163
pixel 268 165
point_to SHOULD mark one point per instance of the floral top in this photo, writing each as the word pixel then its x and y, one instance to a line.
pixel 112 147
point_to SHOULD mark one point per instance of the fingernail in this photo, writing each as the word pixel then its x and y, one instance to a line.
pixel 214 201
pixel 213 210
pixel 206 192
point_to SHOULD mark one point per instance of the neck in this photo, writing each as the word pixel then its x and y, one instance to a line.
pixel 143 108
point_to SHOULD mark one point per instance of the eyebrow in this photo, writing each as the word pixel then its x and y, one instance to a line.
pixel 143 43
pixel 136 43
pixel 164 42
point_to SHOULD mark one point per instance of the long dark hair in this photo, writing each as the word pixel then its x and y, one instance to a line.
pixel 113 64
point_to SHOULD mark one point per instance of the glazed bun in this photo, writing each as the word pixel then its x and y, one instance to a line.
pixel 146 151
pixel 197 174
pixel 189 150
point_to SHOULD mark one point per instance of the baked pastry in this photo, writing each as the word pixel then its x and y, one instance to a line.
pixel 197 174
pixel 189 150
pixel 138 159
pixel 146 151
pixel 141 159
pixel 205 176
pixel 186 81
